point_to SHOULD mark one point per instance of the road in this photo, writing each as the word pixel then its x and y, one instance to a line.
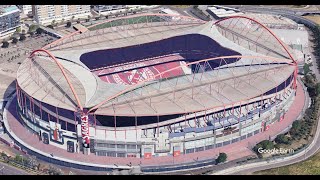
pixel 308 152
pixel 297 11
pixel 5 169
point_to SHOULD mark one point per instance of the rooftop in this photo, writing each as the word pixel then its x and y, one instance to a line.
pixel 8 9
pixel 146 98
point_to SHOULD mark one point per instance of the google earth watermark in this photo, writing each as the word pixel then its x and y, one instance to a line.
pixel 275 151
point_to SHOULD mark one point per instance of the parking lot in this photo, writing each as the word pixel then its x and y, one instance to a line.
pixel 11 58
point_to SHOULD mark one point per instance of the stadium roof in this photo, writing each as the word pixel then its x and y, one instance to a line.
pixel 42 78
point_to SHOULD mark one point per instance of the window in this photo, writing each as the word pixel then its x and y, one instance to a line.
pixel 235 140
pixel 111 154
pixel 111 145
pixel 189 151
pixel 256 132
pixel 121 146
pixel 209 147
pixel 226 143
pixel 243 137
pixel 199 149
pixel 218 144
pixel 130 146
pixel 121 154
pixel 101 153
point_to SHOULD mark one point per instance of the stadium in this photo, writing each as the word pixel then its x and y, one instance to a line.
pixel 157 85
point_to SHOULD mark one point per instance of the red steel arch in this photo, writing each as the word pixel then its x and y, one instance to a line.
pixel 63 72
pixel 265 27
pixel 132 87
pixel 126 17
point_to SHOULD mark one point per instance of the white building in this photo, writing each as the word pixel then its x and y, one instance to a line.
pixel 103 9
pixel 45 14
pixel 26 9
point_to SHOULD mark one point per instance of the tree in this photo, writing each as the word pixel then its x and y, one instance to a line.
pixel 3 154
pixel 312 91
pixel 18 158
pixel 318 89
pixel 39 31
pixel 18 29
pixel 296 125
pixel 53 22
pixel 265 144
pixel 31 33
pixel 68 24
pixel 33 27
pixel 282 139
pixel 50 26
pixel 22 37
pixel 297 131
pixel 14 40
pixel 306 68
pixel 5 44
pixel 221 158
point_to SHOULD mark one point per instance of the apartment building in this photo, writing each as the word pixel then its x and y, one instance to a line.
pixel 9 20
pixel 26 9
pixel 45 14
pixel 106 8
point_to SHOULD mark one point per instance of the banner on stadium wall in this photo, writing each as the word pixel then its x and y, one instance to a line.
pixel 85 130
pixel 267 127
pixel 262 125
pixel 176 151
pixel 55 132
pixel 147 155
pixel 281 118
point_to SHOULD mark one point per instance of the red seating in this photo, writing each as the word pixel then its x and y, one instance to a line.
pixel 131 73
pixel 137 75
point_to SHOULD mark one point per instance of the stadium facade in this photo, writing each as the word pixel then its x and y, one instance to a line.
pixel 156 85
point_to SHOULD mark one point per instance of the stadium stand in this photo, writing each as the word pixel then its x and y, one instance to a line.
pixel 185 45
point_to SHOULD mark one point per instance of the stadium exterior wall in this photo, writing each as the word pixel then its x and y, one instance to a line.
pixel 186 136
